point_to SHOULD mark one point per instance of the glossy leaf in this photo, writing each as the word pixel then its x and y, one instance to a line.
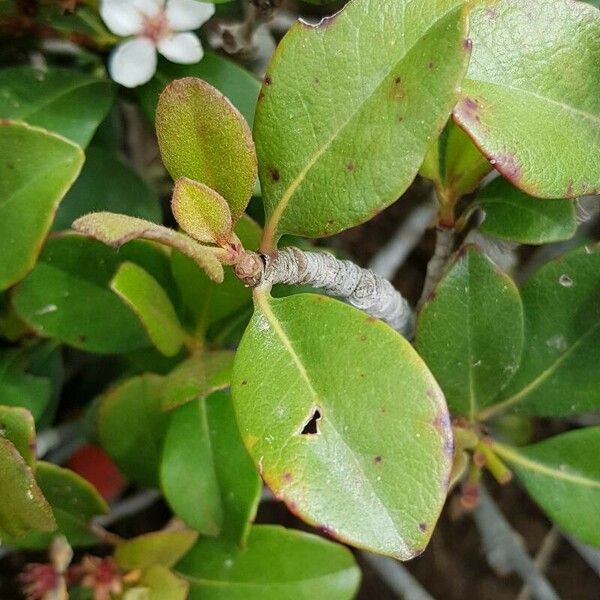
pixel 540 130
pixel 454 164
pixel 197 377
pixel 203 136
pixel 23 505
pixel 74 503
pixel 239 85
pixel 157 548
pixel 201 212
pixel 560 371
pixel 131 427
pixel 36 169
pixel 21 388
pixel 206 301
pixel 18 427
pixel 67 296
pixel 351 423
pixel 64 101
pixel 163 584
pixel 470 333
pixel 277 563
pixel 511 214
pixel 562 474
pixel 149 301
pixel 344 120
pixel 206 474
pixel 116 230
pixel 107 184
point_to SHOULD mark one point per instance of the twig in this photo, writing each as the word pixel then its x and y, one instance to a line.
pixel 393 255
pixel 52 439
pixel 128 507
pixel 543 557
pixel 397 577
pixel 501 252
pixel 505 550
pixel 340 278
pixel 444 244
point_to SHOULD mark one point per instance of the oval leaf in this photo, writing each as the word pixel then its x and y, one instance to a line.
pixel 203 136
pixel 131 427
pixel 511 214
pixel 337 107
pixel 64 101
pixel 36 169
pixel 560 370
pixel 277 563
pixel 206 474
pixel 149 301
pixel 470 333
pixel 18 427
pixel 540 131
pixel 351 422
pixel 563 476
pixel 201 212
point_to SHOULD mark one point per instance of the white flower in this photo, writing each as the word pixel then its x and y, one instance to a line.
pixel 156 25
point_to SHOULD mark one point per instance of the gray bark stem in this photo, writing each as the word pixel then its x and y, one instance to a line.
pixel 340 278
pixel 444 244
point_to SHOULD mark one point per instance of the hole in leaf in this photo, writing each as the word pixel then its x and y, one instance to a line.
pixel 311 427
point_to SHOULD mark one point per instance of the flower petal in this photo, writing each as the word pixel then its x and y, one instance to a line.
pixel 121 16
pixel 133 62
pixel 185 15
pixel 149 8
pixel 184 48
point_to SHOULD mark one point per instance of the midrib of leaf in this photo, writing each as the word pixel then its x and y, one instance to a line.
pixel 262 301
pixel 563 105
pixel 472 395
pixel 511 455
pixel 271 225
pixel 537 381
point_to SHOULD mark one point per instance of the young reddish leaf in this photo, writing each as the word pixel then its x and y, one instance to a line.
pixel 276 563
pixel 351 423
pixel 541 130
pixel 18 427
pixel 23 507
pixel 348 108
pixel 562 474
pixel 149 301
pixel 116 230
pixel 201 212
pixel 206 474
pixel 203 136
pixel 157 548
pixel 197 377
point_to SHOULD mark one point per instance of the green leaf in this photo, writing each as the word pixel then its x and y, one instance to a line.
pixel 344 120
pixel 21 388
pixel 116 230
pixel 23 505
pixel 36 170
pixel 131 427
pixel 149 301
pixel 454 164
pixel 67 295
pixel 18 427
pixel 197 377
pixel 203 136
pixel 164 584
pixel 277 563
pixel 206 475
pixel 64 101
pixel 157 548
pixel 107 184
pixel 201 212
pixel 239 85
pixel 560 371
pixel 562 474
pixel 542 132
pixel 511 214
pixel 351 422
pixel 470 333
pixel 206 301
pixel 74 503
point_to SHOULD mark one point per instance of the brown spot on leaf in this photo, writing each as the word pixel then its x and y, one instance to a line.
pixel 261 95
pixel 569 190
pixel 377 460
pixel 430 65
pixel 82 338
pixel 468 44
pixel 331 222
pixel 268 79
pixel 317 80
pixel 350 166
pixel 287 477
pixel 397 91
pixel 423 527
pixel 244 382
pixel 363 338
pixel 274 174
